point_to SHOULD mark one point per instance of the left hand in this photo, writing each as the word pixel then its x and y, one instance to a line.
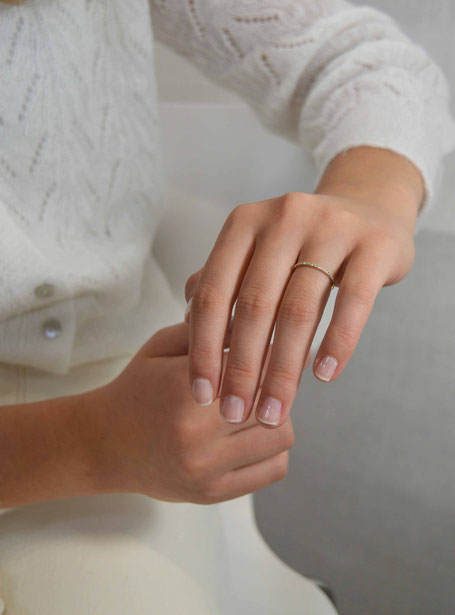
pixel 364 245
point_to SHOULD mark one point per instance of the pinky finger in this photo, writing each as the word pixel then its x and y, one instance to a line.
pixel 357 293
pixel 249 479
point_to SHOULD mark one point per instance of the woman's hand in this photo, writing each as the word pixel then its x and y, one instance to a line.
pixel 362 232
pixel 150 437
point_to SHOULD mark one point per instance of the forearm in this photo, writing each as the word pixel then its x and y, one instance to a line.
pixel 49 450
pixel 378 176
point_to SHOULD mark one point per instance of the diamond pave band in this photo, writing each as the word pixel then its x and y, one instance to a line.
pixel 308 264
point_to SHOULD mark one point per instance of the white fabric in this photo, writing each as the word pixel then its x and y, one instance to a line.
pixel 129 553
pixel 81 176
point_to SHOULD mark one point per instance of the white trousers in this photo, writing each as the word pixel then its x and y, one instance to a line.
pixel 120 554
pixel 115 553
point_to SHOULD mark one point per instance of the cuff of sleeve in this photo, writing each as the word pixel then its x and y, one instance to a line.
pixel 403 131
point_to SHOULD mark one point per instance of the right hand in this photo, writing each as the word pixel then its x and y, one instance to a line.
pixel 158 442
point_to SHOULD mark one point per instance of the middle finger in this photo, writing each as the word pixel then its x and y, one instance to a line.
pixel 254 318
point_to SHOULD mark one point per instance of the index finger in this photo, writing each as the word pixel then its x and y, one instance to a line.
pixel 212 304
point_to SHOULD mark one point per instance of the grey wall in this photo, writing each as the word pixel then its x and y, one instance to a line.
pixel 369 501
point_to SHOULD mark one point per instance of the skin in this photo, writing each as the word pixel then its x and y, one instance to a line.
pixel 359 224
pixel 143 432
pixel 140 433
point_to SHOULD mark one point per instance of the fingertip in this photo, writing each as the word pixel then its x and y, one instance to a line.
pixel 269 411
pixel 325 367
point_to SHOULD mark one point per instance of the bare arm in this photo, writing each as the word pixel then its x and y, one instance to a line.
pixel 376 175
pixel 50 449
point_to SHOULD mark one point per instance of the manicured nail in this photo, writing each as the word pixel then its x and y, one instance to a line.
pixel 269 411
pixel 186 317
pixel 232 408
pixel 326 368
pixel 202 391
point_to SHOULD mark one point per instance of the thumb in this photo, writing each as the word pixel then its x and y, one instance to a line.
pixel 169 341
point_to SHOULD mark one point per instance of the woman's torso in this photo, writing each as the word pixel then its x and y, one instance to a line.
pixel 81 179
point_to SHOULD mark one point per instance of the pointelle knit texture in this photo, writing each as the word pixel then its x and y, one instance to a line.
pixel 82 183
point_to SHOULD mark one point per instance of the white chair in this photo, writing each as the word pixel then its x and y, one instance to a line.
pixel 261 583
pixel 116 553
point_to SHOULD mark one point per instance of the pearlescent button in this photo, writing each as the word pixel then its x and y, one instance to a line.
pixel 44 290
pixel 52 328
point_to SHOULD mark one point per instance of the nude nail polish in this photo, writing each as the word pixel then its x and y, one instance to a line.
pixel 326 368
pixel 270 411
pixel 202 391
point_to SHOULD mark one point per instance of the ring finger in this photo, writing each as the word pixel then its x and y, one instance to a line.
pixel 298 317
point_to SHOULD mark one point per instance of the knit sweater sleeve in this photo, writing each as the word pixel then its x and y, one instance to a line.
pixel 323 73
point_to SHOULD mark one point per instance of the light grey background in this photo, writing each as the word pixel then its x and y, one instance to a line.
pixel 369 501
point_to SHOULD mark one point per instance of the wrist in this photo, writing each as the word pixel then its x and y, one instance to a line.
pixel 378 177
pixel 49 450
pixel 100 445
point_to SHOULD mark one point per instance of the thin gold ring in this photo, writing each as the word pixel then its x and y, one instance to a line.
pixel 307 264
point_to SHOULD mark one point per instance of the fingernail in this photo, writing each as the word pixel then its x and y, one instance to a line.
pixel 186 316
pixel 232 408
pixel 326 368
pixel 202 391
pixel 269 411
pixel 229 329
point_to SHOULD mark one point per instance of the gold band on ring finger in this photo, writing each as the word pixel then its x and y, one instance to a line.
pixel 308 264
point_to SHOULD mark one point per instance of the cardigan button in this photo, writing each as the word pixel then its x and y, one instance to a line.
pixel 52 328
pixel 44 290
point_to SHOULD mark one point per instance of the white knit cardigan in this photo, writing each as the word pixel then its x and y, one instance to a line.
pixel 81 174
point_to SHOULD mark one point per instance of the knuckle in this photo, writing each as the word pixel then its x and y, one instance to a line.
pixel 183 433
pixel 379 240
pixel 290 206
pixel 239 210
pixel 381 236
pixel 253 302
pixel 338 217
pixel 284 374
pixel 194 467
pixel 243 215
pixel 241 219
pixel 209 492
pixel 208 297
pixel 359 293
pixel 281 466
pixel 299 312
pixel 287 435
pixel 291 200
pixel 232 217
pixel 189 429
pixel 345 337
pixel 201 355
pixel 238 369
